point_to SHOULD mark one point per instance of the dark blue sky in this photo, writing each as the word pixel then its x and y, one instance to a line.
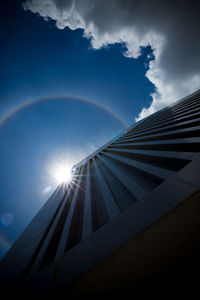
pixel 39 61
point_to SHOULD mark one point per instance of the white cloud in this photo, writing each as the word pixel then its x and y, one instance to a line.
pixel 171 28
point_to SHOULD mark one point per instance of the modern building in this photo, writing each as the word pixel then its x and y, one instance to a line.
pixel 131 211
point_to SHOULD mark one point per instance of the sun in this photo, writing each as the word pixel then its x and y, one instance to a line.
pixel 60 170
pixel 63 174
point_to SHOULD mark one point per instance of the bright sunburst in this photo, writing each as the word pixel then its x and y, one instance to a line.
pixel 60 170
pixel 62 174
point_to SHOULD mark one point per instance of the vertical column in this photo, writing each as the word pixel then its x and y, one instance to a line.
pixel 65 233
pixel 87 219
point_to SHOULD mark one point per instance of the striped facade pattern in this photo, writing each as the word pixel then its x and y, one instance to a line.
pixel 118 175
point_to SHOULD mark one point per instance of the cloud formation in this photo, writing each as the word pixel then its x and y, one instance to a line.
pixel 171 28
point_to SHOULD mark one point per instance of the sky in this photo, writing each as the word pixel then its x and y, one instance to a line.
pixel 73 75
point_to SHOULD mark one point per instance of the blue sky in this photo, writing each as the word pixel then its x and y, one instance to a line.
pixel 40 61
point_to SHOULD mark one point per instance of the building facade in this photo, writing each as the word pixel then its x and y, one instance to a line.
pixel 116 193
